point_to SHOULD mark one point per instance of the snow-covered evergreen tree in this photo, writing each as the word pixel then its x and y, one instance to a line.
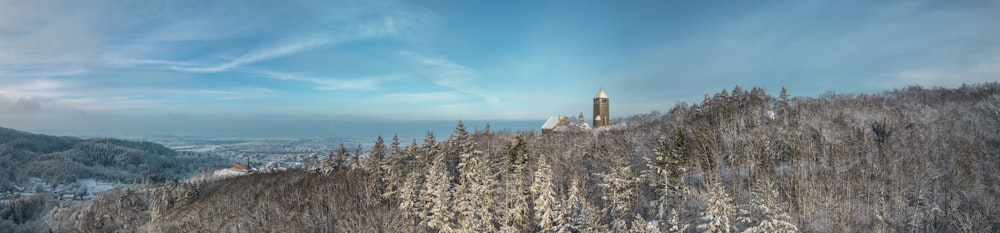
pixel 582 215
pixel 485 201
pixel 576 211
pixel 412 188
pixel 409 198
pixel 437 194
pixel 639 224
pixel 335 161
pixel 465 215
pixel 394 168
pixel 414 157
pixel 465 191
pixel 518 213
pixel 376 156
pixel 720 207
pixel 767 213
pixel 374 162
pixel 440 214
pixel 548 213
pixel 673 222
pixel 621 193
pixel 667 167
pixel 354 158
pixel 486 178
pixel 430 148
pixel 312 164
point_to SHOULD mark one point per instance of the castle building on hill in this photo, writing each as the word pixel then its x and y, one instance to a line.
pixel 602 111
pixel 242 167
pixel 562 123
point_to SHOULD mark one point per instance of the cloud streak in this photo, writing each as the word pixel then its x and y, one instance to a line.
pixel 449 74
pixel 365 83
pixel 419 97
pixel 259 55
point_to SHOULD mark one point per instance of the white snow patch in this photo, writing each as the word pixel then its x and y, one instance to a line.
pixel 96 186
pixel 216 175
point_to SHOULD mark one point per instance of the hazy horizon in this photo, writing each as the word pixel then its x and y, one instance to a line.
pixel 269 128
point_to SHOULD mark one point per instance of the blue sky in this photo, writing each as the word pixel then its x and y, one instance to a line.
pixel 96 64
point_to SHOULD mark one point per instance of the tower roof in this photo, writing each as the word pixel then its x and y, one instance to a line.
pixel 600 94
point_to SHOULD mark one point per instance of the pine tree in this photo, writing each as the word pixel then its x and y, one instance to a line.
pixel 394 168
pixel 548 212
pixel 437 197
pixel 720 208
pixel 674 222
pixel 487 179
pixel 336 161
pixel 765 204
pixel 312 164
pixel 621 193
pixel 429 151
pixel 415 158
pixel 783 99
pixel 783 105
pixel 668 166
pixel 354 159
pixel 376 156
pixel 409 198
pixel 639 224
pixel 374 163
pixel 411 190
pixel 465 190
pixel 464 213
pixel 485 202
pixel 576 208
pixel 516 219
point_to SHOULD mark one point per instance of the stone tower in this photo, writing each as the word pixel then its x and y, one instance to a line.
pixel 602 113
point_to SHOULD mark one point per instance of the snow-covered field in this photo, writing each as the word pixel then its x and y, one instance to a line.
pixel 85 188
pixel 215 175
pixel 96 186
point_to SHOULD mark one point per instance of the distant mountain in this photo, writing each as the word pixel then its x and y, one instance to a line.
pixel 57 159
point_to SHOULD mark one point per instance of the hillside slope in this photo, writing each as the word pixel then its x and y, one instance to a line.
pixel 66 159
pixel 916 159
pixel 36 171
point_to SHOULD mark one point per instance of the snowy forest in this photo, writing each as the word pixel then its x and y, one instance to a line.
pixel 914 159
pixel 65 159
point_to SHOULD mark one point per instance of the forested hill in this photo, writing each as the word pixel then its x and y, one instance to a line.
pixel 910 160
pixel 66 159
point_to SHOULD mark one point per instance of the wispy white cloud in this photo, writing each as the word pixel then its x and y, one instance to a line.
pixel 449 74
pixel 419 97
pixel 363 83
pixel 186 36
pixel 127 62
pixel 390 20
pixel 942 76
pixel 104 103
pixel 356 84
pixel 36 88
pixel 99 56
pixel 260 54
pixel 239 93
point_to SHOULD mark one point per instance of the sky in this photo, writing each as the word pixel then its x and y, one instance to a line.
pixel 254 66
